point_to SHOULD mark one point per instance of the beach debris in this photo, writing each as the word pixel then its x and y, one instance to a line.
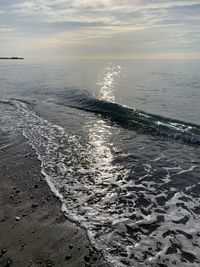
pixel 17 218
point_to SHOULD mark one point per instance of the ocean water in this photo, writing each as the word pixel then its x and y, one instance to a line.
pixel 119 144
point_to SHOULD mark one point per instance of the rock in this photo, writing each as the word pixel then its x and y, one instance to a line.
pixel 34 205
pixel 95 258
pixel 3 251
pixel 4 219
pixel 68 257
pixel 9 262
pixel 17 218
pixel 70 246
pixel 87 264
pixel 91 252
pixel 86 258
pixel 36 186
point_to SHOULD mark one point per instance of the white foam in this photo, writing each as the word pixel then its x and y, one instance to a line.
pixel 92 194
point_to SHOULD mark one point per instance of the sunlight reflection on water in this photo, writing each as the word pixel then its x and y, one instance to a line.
pixel 107 84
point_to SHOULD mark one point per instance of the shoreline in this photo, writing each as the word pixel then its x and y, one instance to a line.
pixel 33 230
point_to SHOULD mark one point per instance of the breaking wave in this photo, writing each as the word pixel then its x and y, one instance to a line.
pixel 133 119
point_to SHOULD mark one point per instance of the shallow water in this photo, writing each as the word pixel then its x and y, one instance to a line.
pixel 128 176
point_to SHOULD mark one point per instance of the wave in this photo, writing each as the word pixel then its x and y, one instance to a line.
pixel 126 117
pixel 133 119
pixel 129 214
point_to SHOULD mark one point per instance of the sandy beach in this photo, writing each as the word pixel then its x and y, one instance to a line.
pixel 33 231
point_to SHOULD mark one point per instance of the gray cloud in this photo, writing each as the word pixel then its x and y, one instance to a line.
pixel 95 25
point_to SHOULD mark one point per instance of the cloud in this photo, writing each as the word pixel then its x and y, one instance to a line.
pixel 6 29
pixel 135 25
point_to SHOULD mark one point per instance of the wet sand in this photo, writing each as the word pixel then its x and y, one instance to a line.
pixel 33 231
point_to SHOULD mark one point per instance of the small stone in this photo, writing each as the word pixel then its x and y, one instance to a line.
pixel 17 218
pixel 3 251
pixel 70 246
pixel 94 258
pixel 91 252
pixel 34 205
pixel 36 186
pixel 9 262
pixel 22 247
pixel 86 258
pixel 4 219
pixel 68 257
pixel 87 264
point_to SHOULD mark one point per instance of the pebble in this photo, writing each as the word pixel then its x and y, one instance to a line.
pixel 91 252
pixel 68 257
pixel 3 251
pixel 17 218
pixel 34 205
pixel 4 219
pixel 86 258
pixel 87 264
pixel 95 258
pixel 70 246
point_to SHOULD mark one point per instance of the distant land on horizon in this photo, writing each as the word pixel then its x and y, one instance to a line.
pixel 11 58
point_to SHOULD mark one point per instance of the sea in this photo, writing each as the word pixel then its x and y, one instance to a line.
pixel 118 142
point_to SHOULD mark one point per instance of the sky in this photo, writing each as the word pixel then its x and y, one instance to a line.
pixel 62 29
